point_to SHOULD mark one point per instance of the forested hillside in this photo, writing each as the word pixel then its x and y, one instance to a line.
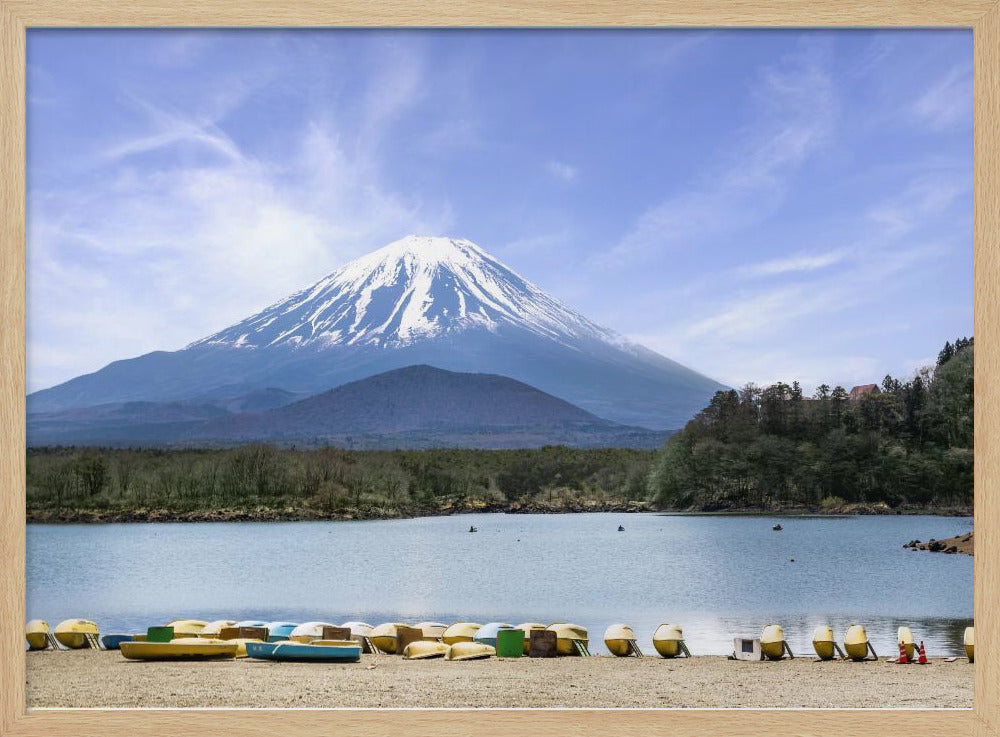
pixel 766 448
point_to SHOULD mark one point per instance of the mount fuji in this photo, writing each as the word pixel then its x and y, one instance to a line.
pixel 419 300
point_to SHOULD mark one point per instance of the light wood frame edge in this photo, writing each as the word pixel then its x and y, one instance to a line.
pixel 983 16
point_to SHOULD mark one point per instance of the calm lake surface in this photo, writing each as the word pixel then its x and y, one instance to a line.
pixel 717 576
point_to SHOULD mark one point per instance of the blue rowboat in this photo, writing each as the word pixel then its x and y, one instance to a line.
pixel 113 642
pixel 487 634
pixel 301 652
pixel 278 631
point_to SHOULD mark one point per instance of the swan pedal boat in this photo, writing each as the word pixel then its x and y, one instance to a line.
pixel 72 633
pixel 424 649
pixel 322 651
pixel 567 637
pixel 460 632
pixel 469 651
pixel 184 648
pixel 37 634
pixel 970 644
pixel 620 640
pixel 667 640
pixel 772 642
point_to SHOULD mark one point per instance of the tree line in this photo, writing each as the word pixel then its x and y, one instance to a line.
pixel 901 443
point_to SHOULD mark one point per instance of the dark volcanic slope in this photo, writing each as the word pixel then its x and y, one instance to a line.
pixel 416 398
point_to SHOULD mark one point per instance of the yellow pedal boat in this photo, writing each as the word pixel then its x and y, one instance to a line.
pixel 309 631
pixel 824 642
pixel 620 640
pixel 772 642
pixel 359 630
pixel 187 627
pixel 72 633
pixel 460 632
pixel 570 638
pixel 214 628
pixel 970 644
pixel 432 630
pixel 37 634
pixel 423 649
pixel 386 636
pixel 469 651
pixel 668 640
pixel 904 637
pixel 856 643
pixel 185 648
pixel 526 628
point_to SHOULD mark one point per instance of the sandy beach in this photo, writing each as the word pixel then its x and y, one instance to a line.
pixel 88 678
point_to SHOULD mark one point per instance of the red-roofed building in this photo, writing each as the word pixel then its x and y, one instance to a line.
pixel 861 391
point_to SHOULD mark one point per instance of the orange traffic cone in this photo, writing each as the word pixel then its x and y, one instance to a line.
pixel 922 657
pixel 903 660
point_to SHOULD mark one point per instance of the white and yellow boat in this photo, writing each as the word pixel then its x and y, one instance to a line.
pixel 970 644
pixel 527 628
pixel 423 649
pixel 824 643
pixel 619 639
pixel 432 630
pixel 668 640
pixel 309 631
pixel 184 648
pixel 72 633
pixel 37 634
pixel 460 632
pixel 386 636
pixel 856 643
pixel 214 628
pixel 571 639
pixel 359 630
pixel 187 627
pixel 469 651
pixel 904 637
pixel 772 642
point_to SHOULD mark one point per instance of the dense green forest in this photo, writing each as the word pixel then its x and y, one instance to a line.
pixel 904 443
pixel 268 482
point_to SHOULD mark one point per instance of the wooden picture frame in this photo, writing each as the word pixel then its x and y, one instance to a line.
pixel 17 16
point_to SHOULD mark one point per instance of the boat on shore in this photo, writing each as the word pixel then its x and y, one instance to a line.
pixel 386 636
pixel 904 637
pixel 214 629
pixel 72 633
pixel 619 639
pixel 187 627
pixel 969 640
pixel 424 649
pixel 460 632
pixel 528 628
pixel 571 639
pixel 309 631
pixel 772 642
pixel 432 630
pixel 317 651
pixel 469 651
pixel 856 643
pixel 487 634
pixel 668 640
pixel 824 642
pixel 37 634
pixel 114 640
pixel 278 631
pixel 184 648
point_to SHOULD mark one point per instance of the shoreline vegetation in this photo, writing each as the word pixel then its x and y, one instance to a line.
pixel 904 448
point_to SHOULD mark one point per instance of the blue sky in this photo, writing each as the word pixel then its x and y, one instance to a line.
pixel 758 205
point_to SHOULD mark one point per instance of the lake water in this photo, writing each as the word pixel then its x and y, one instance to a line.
pixel 717 576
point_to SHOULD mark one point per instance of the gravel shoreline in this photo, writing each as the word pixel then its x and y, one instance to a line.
pixel 87 678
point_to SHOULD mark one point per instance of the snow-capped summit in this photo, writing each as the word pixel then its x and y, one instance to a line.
pixel 414 288
pixel 442 302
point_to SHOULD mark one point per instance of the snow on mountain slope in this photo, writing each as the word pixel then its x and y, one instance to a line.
pixel 412 289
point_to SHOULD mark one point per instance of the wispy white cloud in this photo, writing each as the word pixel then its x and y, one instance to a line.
pixel 562 171
pixel 795 117
pixel 948 101
pixel 796 263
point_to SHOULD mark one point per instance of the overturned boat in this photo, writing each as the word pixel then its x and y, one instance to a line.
pixel 619 639
pixel 386 636
pixel 527 628
pixel 278 631
pixel 73 633
pixel 469 651
pixel 571 639
pixel 487 634
pixel 309 631
pixel 772 642
pixel 37 633
pixel 856 643
pixel 970 644
pixel 824 643
pixel 904 638
pixel 668 640
pixel 432 630
pixel 187 627
pixel 424 649
pixel 460 632
pixel 214 629
pixel 184 648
